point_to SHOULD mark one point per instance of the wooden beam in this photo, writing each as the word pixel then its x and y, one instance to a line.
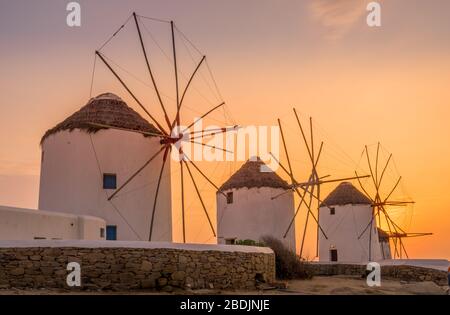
pixel 167 149
pixel 135 173
pixel 201 200
pixel 131 93
pixel 150 70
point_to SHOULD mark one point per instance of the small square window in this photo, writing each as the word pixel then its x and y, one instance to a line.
pixel 230 197
pixel 102 233
pixel 109 181
pixel 332 211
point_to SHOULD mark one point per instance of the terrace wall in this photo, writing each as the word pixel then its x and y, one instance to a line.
pixel 134 265
pixel 399 272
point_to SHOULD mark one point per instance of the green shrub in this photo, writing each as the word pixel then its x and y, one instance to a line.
pixel 287 263
pixel 249 243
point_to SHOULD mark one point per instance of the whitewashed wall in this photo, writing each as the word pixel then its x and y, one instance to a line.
pixel 343 230
pixel 27 224
pixel 385 250
pixel 71 181
pixel 253 215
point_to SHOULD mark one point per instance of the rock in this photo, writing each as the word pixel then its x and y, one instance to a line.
pixel 35 257
pixel 146 266
pixel 17 272
pixel 167 288
pixel 148 283
pixel 100 265
pixel 162 281
pixel 178 275
pixel 182 259
pixel 189 282
pixel 46 271
pixel 211 259
pixel 94 257
pixel 221 270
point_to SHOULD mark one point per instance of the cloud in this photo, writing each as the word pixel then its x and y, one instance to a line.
pixel 337 16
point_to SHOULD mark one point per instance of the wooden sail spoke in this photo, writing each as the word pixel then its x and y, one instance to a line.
pixel 203 116
pixel 295 213
pixel 201 199
pixel 384 170
pixel 167 149
pixel 302 199
pixel 371 171
pixel 368 225
pixel 177 117
pixel 136 173
pixel 100 55
pixel 303 135
pixel 306 222
pixel 211 146
pixel 393 189
pixel 213 130
pixel 320 182
pixel 150 70
pixel 290 173
pixel 376 166
pixel 362 187
pixel 205 177
pixel 182 201
pixel 210 134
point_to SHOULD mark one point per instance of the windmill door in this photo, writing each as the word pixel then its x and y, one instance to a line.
pixel 333 255
pixel 111 232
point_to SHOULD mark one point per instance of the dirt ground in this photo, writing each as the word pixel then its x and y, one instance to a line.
pixel 336 285
pixel 357 286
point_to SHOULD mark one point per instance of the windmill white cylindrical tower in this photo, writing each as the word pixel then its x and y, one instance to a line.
pixel 246 211
pixel 346 217
pixel 82 165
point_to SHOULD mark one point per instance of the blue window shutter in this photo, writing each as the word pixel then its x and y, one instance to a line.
pixel 109 181
pixel 111 232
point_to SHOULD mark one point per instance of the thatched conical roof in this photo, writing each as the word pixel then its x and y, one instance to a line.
pixel 345 193
pixel 250 176
pixel 106 109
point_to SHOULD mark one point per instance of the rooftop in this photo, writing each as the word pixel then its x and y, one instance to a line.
pixel 105 109
pixel 250 176
pixel 345 193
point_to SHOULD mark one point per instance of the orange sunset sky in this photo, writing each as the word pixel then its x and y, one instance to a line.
pixel 361 85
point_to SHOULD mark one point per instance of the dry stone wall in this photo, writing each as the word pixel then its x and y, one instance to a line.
pixel 400 272
pixel 135 268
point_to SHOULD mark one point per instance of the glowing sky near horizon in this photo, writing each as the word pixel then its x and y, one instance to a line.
pixel 361 85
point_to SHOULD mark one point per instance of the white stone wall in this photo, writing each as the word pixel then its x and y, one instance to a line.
pixel 72 182
pixel 253 214
pixel 385 250
pixel 27 224
pixel 343 229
